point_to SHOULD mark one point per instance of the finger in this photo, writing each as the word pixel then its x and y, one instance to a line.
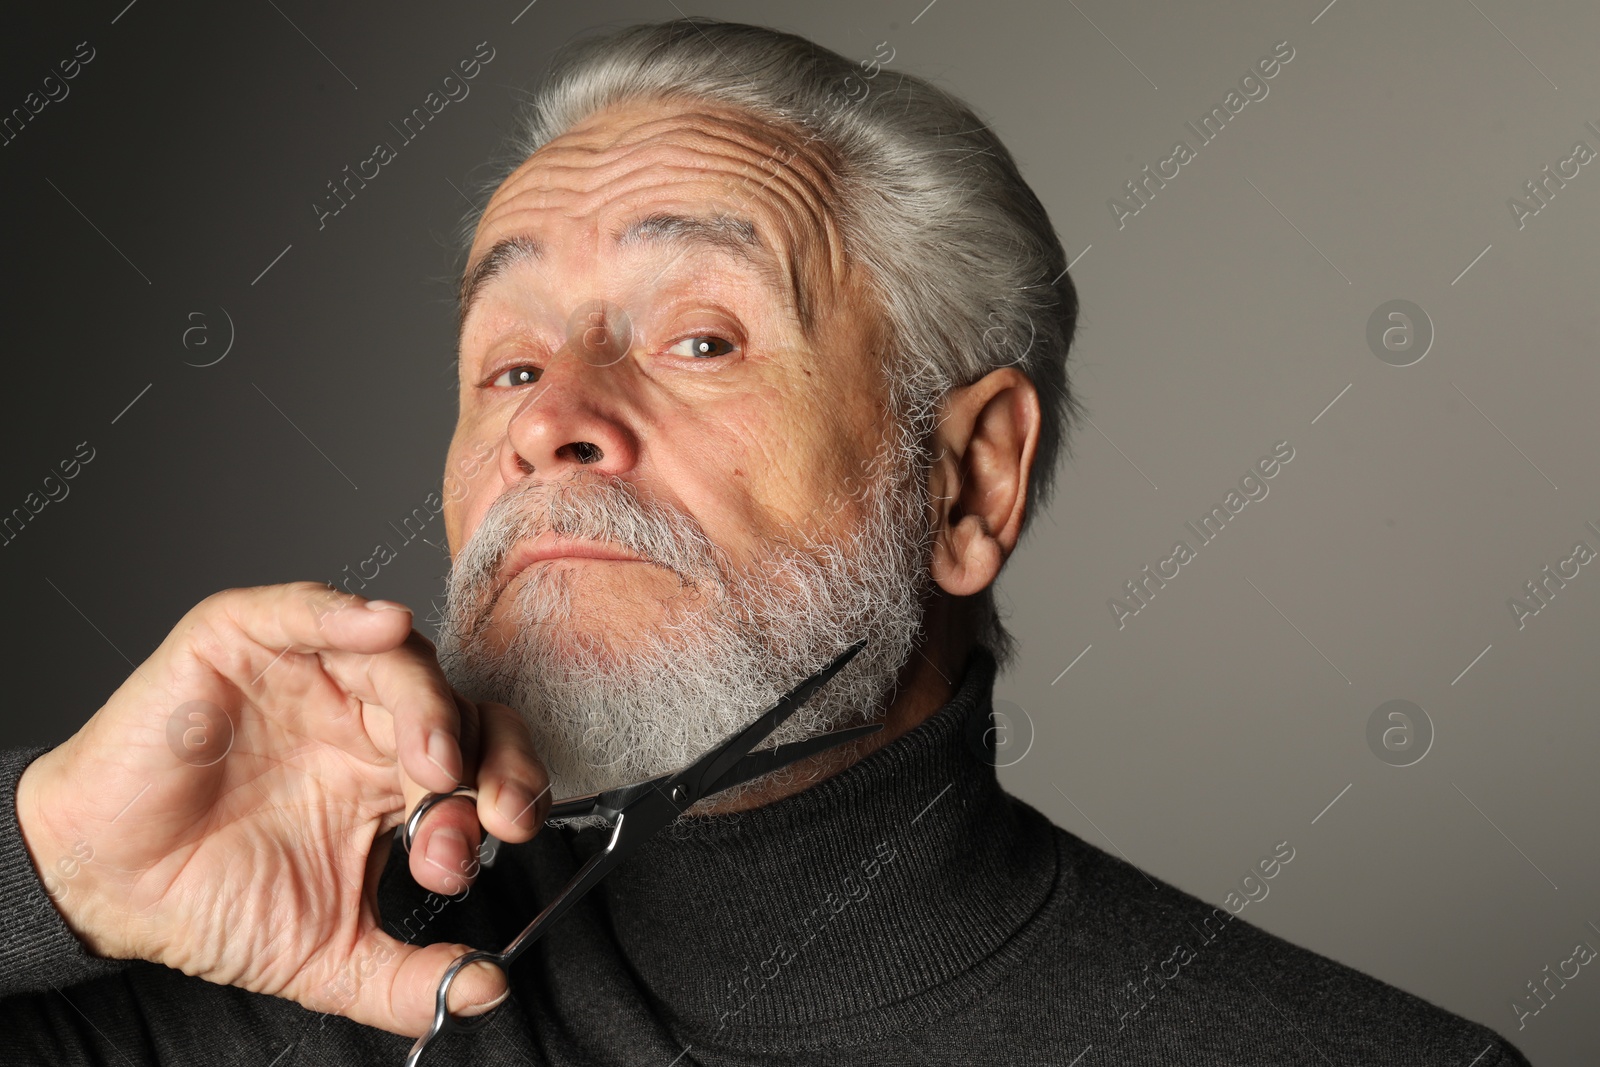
pixel 424 731
pixel 444 853
pixel 513 788
pixel 302 616
pixel 446 866
pixel 414 715
pixel 392 985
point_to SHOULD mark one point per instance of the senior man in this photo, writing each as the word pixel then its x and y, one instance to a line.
pixel 752 364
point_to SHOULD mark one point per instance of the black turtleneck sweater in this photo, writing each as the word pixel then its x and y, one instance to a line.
pixel 906 911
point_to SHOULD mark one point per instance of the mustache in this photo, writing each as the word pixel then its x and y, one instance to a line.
pixel 590 507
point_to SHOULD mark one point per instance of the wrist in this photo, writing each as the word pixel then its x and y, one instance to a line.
pixel 61 859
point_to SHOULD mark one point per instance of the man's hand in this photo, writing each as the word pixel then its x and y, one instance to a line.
pixel 229 810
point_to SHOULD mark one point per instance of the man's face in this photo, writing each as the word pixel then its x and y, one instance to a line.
pixel 666 357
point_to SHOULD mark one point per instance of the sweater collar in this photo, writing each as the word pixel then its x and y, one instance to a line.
pixel 878 886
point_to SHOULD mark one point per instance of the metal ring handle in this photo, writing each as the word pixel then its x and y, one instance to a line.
pixel 443 1019
pixel 408 830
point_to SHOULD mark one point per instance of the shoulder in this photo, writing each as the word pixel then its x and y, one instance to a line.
pixel 148 1014
pixel 1151 974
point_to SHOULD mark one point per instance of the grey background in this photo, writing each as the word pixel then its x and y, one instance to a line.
pixel 1228 715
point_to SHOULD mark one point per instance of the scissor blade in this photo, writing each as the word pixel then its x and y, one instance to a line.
pixel 696 778
pixel 606 802
pixel 758 763
pixel 574 806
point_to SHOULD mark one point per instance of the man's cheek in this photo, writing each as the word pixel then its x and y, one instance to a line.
pixel 468 469
pixel 484 451
pixel 465 504
pixel 456 489
pixel 481 454
pixel 474 509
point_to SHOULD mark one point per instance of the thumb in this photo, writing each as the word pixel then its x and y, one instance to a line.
pixel 392 985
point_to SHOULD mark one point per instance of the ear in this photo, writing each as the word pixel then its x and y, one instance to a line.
pixel 984 446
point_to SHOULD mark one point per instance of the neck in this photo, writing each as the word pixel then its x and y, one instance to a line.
pixel 909 880
pixel 926 683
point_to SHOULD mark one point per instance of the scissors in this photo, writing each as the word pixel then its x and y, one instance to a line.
pixel 634 813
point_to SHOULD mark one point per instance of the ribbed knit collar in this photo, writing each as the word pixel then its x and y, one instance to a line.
pixel 899 882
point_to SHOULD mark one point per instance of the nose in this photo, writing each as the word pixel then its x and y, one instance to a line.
pixel 573 416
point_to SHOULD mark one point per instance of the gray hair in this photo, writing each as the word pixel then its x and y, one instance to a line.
pixel 958 250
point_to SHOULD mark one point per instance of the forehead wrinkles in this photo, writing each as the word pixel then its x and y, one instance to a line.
pixel 788 184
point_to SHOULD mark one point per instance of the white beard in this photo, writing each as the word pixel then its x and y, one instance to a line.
pixel 605 713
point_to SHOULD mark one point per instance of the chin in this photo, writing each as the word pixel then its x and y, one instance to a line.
pixel 609 638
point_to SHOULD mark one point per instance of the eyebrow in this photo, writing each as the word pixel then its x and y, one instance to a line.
pixel 495 262
pixel 728 232
pixel 731 234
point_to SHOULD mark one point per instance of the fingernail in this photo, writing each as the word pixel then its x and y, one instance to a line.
pixel 446 848
pixel 483 971
pixel 386 605
pixel 443 753
pixel 515 804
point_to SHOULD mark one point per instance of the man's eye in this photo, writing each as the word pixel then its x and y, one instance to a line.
pixel 522 374
pixel 703 347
